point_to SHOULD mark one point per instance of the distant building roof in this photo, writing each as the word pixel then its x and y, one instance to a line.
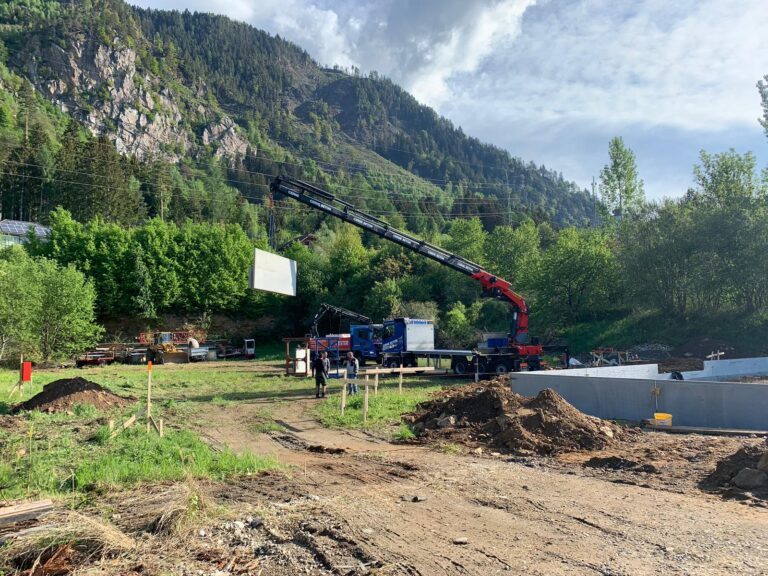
pixel 20 228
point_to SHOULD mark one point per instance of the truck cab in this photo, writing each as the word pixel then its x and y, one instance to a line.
pixel 366 341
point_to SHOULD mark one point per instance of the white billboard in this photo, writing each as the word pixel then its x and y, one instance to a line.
pixel 272 273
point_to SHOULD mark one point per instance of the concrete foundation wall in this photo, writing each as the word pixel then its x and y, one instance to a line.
pixel 713 370
pixel 691 403
pixel 717 369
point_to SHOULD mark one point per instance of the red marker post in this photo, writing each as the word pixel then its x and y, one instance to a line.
pixel 149 394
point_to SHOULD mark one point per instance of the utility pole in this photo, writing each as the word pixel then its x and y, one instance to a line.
pixel 509 199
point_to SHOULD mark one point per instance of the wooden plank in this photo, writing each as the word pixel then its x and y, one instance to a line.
pixel 25 511
pixel 127 424
pixel 648 425
pixel 418 369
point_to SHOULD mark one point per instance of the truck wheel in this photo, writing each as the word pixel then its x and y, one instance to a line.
pixel 500 367
pixel 392 363
pixel 460 366
pixel 534 363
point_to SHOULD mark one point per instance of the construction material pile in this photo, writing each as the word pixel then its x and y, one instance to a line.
pixel 62 395
pixel 746 469
pixel 491 414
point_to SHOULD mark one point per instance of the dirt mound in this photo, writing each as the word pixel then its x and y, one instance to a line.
pixel 62 395
pixel 490 413
pixel 746 469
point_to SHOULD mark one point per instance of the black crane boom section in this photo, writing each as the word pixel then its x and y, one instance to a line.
pixel 329 204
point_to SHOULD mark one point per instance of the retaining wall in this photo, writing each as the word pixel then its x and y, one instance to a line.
pixel 692 403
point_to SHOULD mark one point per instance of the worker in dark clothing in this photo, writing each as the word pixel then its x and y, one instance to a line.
pixel 321 366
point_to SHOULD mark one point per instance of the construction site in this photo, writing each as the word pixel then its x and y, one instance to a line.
pixel 370 450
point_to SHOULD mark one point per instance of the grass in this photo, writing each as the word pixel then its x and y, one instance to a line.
pixel 60 453
pixel 384 409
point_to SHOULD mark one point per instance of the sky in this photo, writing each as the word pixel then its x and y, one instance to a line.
pixel 552 81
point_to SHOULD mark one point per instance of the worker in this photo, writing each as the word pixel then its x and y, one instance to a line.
pixel 352 365
pixel 321 366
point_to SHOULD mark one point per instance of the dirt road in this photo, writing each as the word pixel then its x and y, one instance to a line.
pixel 480 515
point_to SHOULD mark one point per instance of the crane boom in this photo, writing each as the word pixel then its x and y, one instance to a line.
pixel 338 311
pixel 492 286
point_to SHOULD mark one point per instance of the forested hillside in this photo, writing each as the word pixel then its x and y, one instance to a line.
pixel 208 98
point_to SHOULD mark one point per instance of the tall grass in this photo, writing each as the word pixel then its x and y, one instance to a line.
pixel 55 455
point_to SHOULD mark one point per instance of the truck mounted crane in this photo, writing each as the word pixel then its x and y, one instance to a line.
pixel 520 349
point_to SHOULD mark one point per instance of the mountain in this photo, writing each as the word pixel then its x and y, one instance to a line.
pixel 196 113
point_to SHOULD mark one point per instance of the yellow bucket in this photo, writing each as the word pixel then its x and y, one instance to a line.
pixel 662 419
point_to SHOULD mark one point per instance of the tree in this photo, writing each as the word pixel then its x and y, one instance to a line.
pixel 728 177
pixel 383 300
pixel 467 239
pixel 514 253
pixel 46 310
pixel 19 301
pixel 65 321
pixel 620 186
pixel 762 87
pixel 577 276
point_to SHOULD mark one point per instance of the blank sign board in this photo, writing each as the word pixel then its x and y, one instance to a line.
pixel 273 273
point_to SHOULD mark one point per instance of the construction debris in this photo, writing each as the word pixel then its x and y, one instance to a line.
pixel 62 395
pixel 490 413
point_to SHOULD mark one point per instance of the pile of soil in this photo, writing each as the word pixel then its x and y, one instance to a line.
pixel 62 395
pixel 746 469
pixel 491 414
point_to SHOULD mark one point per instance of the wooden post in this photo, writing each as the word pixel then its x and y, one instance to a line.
pixel 160 429
pixel 477 370
pixel 21 375
pixel 400 385
pixel 376 384
pixel 111 425
pixel 365 401
pixel 344 394
pixel 149 395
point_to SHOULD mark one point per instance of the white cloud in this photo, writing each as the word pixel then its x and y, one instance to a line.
pixel 690 64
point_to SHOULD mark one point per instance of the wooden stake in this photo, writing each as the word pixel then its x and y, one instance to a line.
pixel 160 431
pixel 344 395
pixel 376 385
pixel 365 401
pixel 400 385
pixel 111 425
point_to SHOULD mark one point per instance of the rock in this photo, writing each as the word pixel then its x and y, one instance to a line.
pixel 607 431
pixel 239 525
pixel 446 422
pixel 478 451
pixel 255 522
pixel 461 541
pixel 762 464
pixel 414 498
pixel 367 531
pixel 202 533
pixel 749 478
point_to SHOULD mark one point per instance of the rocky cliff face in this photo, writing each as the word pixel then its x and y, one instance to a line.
pixel 102 87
